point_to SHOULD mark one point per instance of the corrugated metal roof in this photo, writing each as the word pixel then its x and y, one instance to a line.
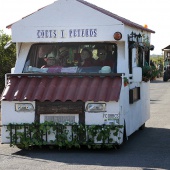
pixel 123 20
pixel 46 88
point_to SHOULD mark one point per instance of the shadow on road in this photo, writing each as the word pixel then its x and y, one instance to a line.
pixel 138 151
pixel 159 80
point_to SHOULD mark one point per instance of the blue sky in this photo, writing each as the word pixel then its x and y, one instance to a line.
pixel 155 14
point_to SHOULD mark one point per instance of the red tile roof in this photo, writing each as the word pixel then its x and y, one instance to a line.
pixel 123 20
pixel 46 88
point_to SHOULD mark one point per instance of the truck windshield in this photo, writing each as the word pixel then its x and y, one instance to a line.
pixel 72 58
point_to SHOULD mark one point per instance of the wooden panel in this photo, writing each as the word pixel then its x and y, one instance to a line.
pixel 60 107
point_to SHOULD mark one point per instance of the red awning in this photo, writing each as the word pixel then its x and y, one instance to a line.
pixel 44 88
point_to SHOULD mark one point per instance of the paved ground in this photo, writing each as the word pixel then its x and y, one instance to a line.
pixel 145 150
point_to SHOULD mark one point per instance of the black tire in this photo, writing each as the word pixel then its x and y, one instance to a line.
pixel 124 136
pixel 118 146
pixel 142 127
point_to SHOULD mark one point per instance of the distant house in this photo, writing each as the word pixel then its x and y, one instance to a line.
pixel 166 52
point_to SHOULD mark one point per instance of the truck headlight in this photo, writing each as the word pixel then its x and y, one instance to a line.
pixel 24 107
pixel 96 107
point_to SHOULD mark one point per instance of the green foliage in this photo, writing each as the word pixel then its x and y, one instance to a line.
pixel 126 81
pixel 158 60
pixel 7 58
pixel 149 73
pixel 64 135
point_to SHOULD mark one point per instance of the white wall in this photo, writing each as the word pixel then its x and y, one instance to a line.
pixel 122 58
pixel 138 113
pixel 98 118
pixel 9 115
pixel 65 15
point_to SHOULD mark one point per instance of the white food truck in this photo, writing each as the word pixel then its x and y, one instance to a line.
pixel 77 78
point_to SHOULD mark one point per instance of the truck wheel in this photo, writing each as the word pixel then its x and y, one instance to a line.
pixel 118 146
pixel 142 127
pixel 124 136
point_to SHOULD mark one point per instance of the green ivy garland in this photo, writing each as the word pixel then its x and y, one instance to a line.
pixel 36 134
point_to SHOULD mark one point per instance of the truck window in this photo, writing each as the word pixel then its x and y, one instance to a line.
pixel 71 58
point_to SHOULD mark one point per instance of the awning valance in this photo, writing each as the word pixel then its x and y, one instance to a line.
pixel 44 88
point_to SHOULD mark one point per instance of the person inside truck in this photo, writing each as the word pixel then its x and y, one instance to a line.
pixel 104 58
pixel 51 61
pixel 63 56
pixel 85 59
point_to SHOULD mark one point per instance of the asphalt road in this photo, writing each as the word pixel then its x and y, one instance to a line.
pixel 145 150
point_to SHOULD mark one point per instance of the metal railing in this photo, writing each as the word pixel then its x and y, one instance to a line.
pixel 61 135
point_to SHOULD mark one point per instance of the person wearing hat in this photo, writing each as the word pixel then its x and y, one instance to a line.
pixel 63 56
pixel 50 60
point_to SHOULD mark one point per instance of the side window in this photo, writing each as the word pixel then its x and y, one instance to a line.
pixel 37 56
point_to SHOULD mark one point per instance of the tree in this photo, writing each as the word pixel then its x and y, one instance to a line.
pixel 7 58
